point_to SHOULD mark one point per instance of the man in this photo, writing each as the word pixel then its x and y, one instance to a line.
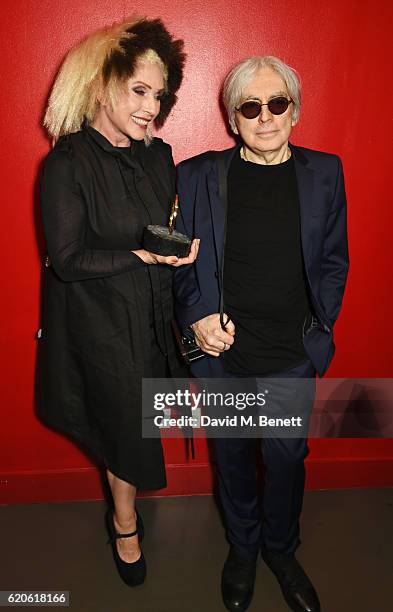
pixel 276 215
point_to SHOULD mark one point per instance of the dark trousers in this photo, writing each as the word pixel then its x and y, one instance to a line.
pixel 275 525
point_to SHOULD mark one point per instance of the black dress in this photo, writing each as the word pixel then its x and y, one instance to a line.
pixel 106 316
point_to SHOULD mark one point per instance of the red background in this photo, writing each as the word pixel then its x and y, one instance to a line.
pixel 342 51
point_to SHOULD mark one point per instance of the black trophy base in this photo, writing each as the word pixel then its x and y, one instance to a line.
pixel 157 239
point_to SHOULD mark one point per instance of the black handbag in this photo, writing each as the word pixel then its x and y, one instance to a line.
pixel 188 348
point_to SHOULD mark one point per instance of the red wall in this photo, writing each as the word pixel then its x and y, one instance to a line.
pixel 342 51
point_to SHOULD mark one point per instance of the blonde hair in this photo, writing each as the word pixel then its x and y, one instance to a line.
pixel 98 67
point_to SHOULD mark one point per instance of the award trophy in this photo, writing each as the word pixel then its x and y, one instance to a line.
pixel 166 240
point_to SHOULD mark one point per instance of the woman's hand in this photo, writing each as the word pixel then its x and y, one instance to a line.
pixel 210 336
pixel 170 260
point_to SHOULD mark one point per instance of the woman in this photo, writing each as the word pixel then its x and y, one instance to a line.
pixel 106 319
pixel 275 214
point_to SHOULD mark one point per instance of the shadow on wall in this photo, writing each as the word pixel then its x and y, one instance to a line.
pixel 355 408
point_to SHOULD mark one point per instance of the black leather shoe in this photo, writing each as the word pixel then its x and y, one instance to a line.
pixel 134 573
pixel 296 586
pixel 237 582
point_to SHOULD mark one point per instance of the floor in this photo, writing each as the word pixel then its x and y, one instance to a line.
pixel 347 550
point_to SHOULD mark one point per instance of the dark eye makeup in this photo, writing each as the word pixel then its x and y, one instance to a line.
pixel 141 92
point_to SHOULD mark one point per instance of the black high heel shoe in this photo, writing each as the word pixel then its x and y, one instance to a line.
pixel 134 573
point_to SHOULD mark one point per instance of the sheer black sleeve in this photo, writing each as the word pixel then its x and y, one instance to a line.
pixel 64 220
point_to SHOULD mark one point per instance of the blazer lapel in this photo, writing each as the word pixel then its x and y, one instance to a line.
pixel 305 181
pixel 218 204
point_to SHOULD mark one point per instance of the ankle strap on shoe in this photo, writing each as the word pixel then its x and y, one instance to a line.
pixel 118 536
pixel 125 535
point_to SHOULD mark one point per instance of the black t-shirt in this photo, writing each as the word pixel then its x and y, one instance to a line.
pixel 264 283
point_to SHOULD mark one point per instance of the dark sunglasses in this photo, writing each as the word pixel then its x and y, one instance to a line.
pixel 252 108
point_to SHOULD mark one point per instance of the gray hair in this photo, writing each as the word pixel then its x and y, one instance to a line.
pixel 241 75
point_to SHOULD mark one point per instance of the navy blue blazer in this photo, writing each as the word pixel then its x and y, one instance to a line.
pixel 323 226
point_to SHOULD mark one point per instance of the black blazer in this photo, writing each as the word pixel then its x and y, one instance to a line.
pixel 323 235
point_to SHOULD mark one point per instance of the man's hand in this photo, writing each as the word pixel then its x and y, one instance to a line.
pixel 210 336
pixel 170 260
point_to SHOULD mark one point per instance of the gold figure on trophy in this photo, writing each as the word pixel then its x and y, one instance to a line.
pixel 166 240
pixel 173 215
